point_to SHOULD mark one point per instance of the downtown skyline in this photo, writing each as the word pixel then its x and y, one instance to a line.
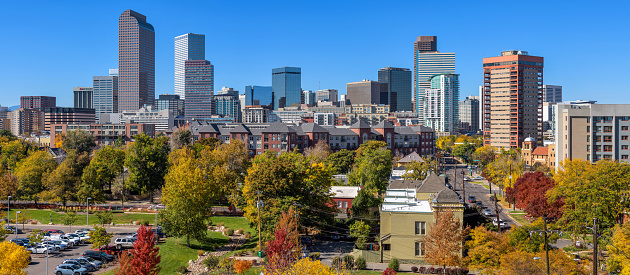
pixel 331 51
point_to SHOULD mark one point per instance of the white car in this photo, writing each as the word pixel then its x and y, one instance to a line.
pixel 478 178
pixel 56 246
pixel 41 249
pixel 73 240
pixel 84 237
pixel 487 212
pixel 502 223
pixel 75 237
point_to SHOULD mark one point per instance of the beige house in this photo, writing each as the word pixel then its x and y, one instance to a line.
pixel 532 154
pixel 408 214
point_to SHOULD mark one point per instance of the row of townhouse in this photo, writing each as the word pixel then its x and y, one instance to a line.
pixel 280 137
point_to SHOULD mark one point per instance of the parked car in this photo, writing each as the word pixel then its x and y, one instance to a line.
pixel 98 255
pixel 12 229
pixel 41 249
pixel 502 224
pixel 70 269
pixel 54 245
pixel 85 264
pixel 472 199
pixel 76 237
pixel 159 206
pixel 158 232
pixel 17 241
pixel 84 237
pixel 74 241
pixel 124 243
pixel 479 204
pixel 478 178
pixel 467 178
pixel 93 261
pixel 48 232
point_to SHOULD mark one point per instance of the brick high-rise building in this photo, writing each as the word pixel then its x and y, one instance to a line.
pixel 512 98
pixel 199 89
pixel 136 61
pixel 37 102
pixel 365 92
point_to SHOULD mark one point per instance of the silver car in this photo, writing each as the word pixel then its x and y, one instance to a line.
pixel 94 262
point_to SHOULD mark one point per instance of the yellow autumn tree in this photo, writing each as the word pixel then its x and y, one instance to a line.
pixel 619 248
pixel 14 259
pixel 445 241
pixel 307 266
pixel 485 249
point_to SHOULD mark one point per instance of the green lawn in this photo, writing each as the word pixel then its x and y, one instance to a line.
pixel 45 216
pixel 520 218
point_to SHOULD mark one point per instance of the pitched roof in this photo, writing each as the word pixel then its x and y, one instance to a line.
pixel 447 196
pixel 541 151
pixel 432 184
pixel 404 184
pixel 312 128
pixel 411 158
pixel 384 124
pixel 361 124
pixel 422 129
pixel 240 128
pixel 278 127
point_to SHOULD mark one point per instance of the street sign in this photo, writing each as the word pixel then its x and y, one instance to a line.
pixel 476 160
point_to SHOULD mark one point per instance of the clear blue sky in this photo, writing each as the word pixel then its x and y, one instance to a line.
pixel 48 47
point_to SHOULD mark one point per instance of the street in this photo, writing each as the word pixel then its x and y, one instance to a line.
pixel 38 263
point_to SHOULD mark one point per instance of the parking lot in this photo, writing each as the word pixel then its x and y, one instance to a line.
pixel 38 263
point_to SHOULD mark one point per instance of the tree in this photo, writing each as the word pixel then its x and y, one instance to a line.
pixel 319 152
pixel 31 173
pixel 124 265
pixel 363 203
pixel 530 193
pixel 370 145
pixel 505 169
pixel 445 241
pixel 372 168
pixel 465 151
pixel 8 185
pixel 69 219
pixel 341 162
pixel 78 140
pixel 619 249
pixel 526 240
pixel 485 249
pixel 284 181
pixel 522 262
pixel 306 266
pixel 417 170
pixel 14 259
pixel 289 223
pixel 592 191
pixel 360 230
pixel 209 143
pixel 14 151
pixel 103 169
pixel 62 183
pixel 99 237
pixel 104 217
pixel 36 236
pixel 180 138
pixel 147 161
pixel 7 135
pixel 3 232
pixel 280 251
pixel 146 255
pixel 445 143
pixel 485 154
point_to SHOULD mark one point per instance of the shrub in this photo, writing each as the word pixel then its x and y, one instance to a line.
pixel 360 262
pixel 422 270
pixel 337 263
pixel 414 269
pixel 211 262
pixel 199 253
pixel 348 261
pixel 145 223
pixel 431 270
pixel 389 271
pixel 248 235
pixel 314 256
pixel 462 271
pixel 228 232
pixel 240 266
pixel 181 270
pixel 393 264
pixel 239 231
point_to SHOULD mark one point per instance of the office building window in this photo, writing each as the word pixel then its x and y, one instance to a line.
pixel 624 156
pixel 624 128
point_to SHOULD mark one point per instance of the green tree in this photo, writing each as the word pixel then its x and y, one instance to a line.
pixel 8 185
pixel 341 161
pixel 445 143
pixel 31 173
pixel 99 237
pixel 485 154
pixel 370 145
pixel 417 170
pixel 78 140
pixel 104 217
pixel 206 143
pixel 7 135
pixel 363 203
pixel 68 219
pixel 372 169
pixel 180 138
pixel 62 183
pixel 103 169
pixel 284 181
pixel 36 236
pixel 147 161
pixel 465 151
pixel 360 230
pixel 523 238
pixel 14 151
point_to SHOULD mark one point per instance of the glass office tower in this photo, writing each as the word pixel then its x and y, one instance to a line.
pixel 286 83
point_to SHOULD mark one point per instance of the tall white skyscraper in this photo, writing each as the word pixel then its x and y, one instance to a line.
pixel 188 46
pixel 441 103
pixel 428 61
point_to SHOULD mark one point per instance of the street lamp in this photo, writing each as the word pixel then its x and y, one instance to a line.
pixel 16 226
pixel 87 212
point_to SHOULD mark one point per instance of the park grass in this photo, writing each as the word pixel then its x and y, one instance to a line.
pixel 520 218
pixel 45 216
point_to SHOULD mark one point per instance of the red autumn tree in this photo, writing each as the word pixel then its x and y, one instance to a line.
pixel 530 193
pixel 124 265
pixel 280 253
pixel 146 255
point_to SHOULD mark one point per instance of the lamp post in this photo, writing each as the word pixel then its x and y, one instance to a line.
pixel 87 212
pixel 16 226
pixel 8 208
pixel 157 237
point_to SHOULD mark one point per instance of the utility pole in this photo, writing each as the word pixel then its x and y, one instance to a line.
pixel 496 209
pixel 463 184
pixel 595 246
pixel 546 245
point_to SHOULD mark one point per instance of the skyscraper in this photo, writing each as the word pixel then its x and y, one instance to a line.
pixel 227 104
pixel 365 92
pixel 286 84
pixel 441 103
pixel 105 95
pixel 326 95
pixel 552 93
pixel 37 102
pixel 170 102
pixel 258 95
pixel 136 61
pixel 198 87
pixel 398 94
pixel 188 46
pixel 428 61
pixel 515 77
pixel 469 114
pixel 83 97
